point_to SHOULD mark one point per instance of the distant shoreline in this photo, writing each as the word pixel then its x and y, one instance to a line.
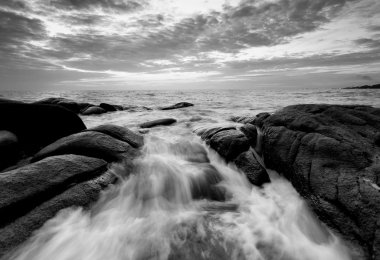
pixel 377 86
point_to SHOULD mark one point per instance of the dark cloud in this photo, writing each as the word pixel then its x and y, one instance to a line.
pixel 374 28
pixel 16 30
pixel 120 5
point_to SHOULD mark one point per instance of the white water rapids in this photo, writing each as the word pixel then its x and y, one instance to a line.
pixel 151 214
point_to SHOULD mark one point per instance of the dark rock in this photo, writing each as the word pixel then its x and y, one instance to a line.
pixel 38 125
pixel 259 119
pixel 229 143
pixel 24 188
pixel 108 107
pixel 178 105
pixel 158 122
pixel 377 139
pixel 9 149
pixel 66 103
pixel 250 132
pixel 52 196
pixel 190 151
pixel 94 144
pixel 121 133
pixel 94 110
pixel 255 172
pixel 243 119
pixel 328 152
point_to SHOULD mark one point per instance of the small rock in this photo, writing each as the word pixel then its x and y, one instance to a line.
pixel 94 110
pixel 255 172
pixel 178 105
pixel 108 107
pixel 164 121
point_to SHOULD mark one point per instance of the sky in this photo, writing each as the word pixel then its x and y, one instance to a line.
pixel 188 44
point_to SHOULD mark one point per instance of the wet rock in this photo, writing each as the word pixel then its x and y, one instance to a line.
pixel 255 172
pixel 69 104
pixel 24 188
pixel 76 182
pixel 89 143
pixel 94 110
pixel 37 125
pixel 9 149
pixel 250 132
pixel 229 143
pixel 329 154
pixel 108 107
pixel 243 119
pixel 121 133
pixel 158 122
pixel 190 151
pixel 178 105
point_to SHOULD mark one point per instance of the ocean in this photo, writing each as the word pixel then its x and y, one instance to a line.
pixel 151 215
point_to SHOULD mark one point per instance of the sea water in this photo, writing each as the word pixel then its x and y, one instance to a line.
pixel 152 213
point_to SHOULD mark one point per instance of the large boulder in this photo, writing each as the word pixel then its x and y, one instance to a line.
pixel 178 105
pixel 9 149
pixel 158 122
pixel 329 154
pixel 120 133
pixel 37 125
pixel 89 143
pixel 33 194
pixel 24 188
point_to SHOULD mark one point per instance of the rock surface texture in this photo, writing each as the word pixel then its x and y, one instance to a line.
pixel 330 155
pixel 69 172
pixel 158 122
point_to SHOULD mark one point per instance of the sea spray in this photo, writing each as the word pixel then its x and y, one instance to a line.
pixel 155 213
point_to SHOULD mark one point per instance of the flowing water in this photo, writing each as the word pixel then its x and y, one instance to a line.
pixel 170 206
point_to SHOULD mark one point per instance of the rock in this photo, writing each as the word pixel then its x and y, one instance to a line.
pixel 190 151
pixel 250 132
pixel 178 105
pixel 9 149
pixel 24 188
pixel 229 143
pixel 328 152
pixel 94 110
pixel 243 119
pixel 158 122
pixel 207 133
pixel 89 143
pixel 121 133
pixel 255 172
pixel 63 192
pixel 108 107
pixel 258 120
pixel 37 125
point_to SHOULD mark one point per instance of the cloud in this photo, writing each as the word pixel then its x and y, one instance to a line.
pixel 118 5
pixel 365 77
pixel 370 43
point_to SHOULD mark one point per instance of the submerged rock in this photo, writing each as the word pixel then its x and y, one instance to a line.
pixel 158 122
pixel 178 105
pixel 37 125
pixel 89 143
pixel 329 154
pixel 120 133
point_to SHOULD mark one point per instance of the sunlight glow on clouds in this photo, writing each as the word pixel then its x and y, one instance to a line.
pixel 174 43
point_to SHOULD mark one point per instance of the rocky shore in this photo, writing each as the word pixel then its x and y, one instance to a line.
pixel 330 153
